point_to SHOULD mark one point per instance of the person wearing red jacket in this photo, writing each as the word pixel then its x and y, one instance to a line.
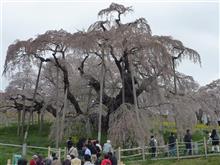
pixel 106 160
pixel 33 161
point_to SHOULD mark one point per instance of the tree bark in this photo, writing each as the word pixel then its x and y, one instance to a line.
pixel 57 110
pixel 35 91
pixel 100 98
pixel 70 96
pixel 63 116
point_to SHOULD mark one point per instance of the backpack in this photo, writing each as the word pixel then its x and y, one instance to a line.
pixel 152 143
pixel 187 138
pixel 216 137
pixel 48 162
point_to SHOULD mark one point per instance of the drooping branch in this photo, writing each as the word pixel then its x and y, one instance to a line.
pixel 174 72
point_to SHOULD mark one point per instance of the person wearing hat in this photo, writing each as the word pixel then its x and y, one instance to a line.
pixel 33 161
pixel 107 147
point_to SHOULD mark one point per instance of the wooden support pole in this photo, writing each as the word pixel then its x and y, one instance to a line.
pixel 143 152
pixel 9 162
pixel 205 146
pixel 59 154
pixel 49 150
pixel 119 154
pixel 177 150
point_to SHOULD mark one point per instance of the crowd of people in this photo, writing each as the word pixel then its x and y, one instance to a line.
pixel 91 152
pixel 213 140
pixel 86 152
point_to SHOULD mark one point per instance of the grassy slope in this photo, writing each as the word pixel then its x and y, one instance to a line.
pixel 197 161
pixel 9 135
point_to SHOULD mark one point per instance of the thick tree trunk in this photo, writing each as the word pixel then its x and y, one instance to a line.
pixel 63 116
pixel 100 98
pixel 125 95
pixel 57 110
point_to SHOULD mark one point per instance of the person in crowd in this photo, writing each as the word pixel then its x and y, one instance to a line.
pixel 80 147
pixel 22 161
pixel 73 151
pixel 48 160
pixel 99 159
pixel 106 160
pixel 98 146
pixel 153 145
pixel 75 160
pixel 215 140
pixel 55 160
pixel 87 159
pixel 172 144
pixel 188 142
pixel 67 161
pixel 87 151
pixel 33 161
pixel 93 150
pixel 40 160
pixel 209 141
pixel 69 143
pixel 112 158
pixel 107 147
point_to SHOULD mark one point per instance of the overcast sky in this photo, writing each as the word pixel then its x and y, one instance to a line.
pixel 196 24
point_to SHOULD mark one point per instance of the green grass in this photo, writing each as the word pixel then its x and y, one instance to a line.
pixel 197 161
pixel 8 135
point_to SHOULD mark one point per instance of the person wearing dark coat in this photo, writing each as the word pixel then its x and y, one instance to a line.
pixel 188 142
pixel 69 143
pixel 22 161
pixel 172 144
pixel 112 158
pixel 215 140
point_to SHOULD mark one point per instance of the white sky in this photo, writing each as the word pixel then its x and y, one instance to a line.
pixel 195 23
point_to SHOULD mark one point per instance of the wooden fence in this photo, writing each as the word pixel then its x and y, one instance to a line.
pixel 199 149
pixel 31 150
